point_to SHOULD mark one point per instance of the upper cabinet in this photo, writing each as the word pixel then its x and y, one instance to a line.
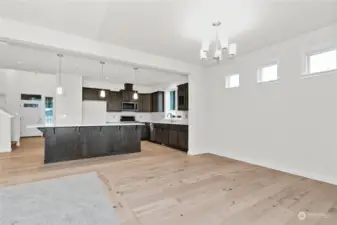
pixel 127 96
pixel 114 103
pixel 158 104
pixel 183 97
pixel 93 94
pixel 144 103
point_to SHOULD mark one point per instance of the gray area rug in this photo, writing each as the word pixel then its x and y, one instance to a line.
pixel 79 199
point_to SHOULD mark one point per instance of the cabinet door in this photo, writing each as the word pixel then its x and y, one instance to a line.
pixel 91 94
pixel 173 138
pixel 158 135
pixel 154 102
pixel 183 140
pixel 140 103
pixel 114 102
pixel 183 97
pixel 165 136
pixel 126 96
pixel 146 103
pixel 145 132
pixel 158 101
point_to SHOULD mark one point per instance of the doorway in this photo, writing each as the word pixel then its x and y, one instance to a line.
pixel 31 114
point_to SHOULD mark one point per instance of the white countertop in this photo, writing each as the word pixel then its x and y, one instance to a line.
pixel 85 125
pixel 175 122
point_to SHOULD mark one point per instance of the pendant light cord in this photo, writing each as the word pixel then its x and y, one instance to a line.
pixel 60 69
pixel 102 65
pixel 102 69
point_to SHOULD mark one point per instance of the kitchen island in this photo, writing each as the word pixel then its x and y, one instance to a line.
pixel 72 142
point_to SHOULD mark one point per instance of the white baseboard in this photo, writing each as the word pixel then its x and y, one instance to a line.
pixel 5 150
pixel 274 166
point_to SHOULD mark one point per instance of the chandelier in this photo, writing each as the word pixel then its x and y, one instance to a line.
pixel 221 46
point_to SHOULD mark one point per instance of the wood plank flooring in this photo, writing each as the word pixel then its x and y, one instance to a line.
pixel 164 186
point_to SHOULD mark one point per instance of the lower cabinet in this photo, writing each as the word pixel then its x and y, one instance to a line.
pixel 145 132
pixel 172 135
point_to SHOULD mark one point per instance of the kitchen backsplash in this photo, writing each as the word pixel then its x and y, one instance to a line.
pixel 115 117
pixel 144 117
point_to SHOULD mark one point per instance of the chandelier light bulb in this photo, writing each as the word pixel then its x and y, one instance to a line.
pixel 232 50
pixel 218 54
pixel 224 44
pixel 203 55
pixel 205 46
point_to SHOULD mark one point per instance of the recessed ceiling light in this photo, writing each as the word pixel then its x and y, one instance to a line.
pixel 107 78
pixel 19 63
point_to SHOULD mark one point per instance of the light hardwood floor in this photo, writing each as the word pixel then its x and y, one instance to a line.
pixel 164 186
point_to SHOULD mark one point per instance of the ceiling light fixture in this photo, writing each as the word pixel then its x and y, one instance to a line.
pixel 135 95
pixel 102 92
pixel 221 46
pixel 59 89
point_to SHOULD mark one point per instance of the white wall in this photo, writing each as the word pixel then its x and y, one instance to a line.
pixel 197 113
pixel 94 112
pixel 68 107
pixel 288 125
pixel 5 132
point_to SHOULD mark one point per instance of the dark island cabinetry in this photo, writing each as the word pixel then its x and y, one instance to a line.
pixel 72 143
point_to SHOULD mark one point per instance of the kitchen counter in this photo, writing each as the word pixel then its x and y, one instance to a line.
pixel 86 125
pixel 79 141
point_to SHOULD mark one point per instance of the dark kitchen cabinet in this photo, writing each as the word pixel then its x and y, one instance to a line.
pixel 144 103
pixel 157 135
pixel 158 101
pixel 165 131
pixel 173 138
pixel 114 103
pixel 145 132
pixel 93 94
pixel 183 140
pixel 183 97
pixel 127 96
pixel 172 135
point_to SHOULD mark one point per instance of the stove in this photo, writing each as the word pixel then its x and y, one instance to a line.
pixel 128 119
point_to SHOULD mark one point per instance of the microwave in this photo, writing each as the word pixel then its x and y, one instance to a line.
pixel 129 106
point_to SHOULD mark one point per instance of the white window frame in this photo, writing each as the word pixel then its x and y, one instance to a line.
pixel 227 81
pixel 259 72
pixel 167 106
pixel 312 53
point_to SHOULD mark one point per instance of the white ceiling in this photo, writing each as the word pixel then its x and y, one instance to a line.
pixel 39 61
pixel 175 28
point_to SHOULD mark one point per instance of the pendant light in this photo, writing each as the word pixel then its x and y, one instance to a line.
pixel 59 89
pixel 135 95
pixel 102 92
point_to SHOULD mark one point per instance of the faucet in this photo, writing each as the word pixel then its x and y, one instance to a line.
pixel 171 116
